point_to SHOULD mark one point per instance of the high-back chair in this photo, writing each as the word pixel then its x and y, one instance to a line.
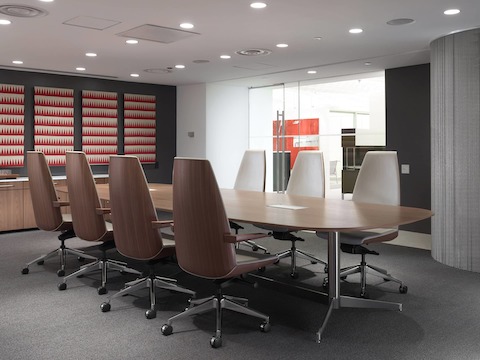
pixel 137 228
pixel 88 218
pixel 251 177
pixel 204 245
pixel 378 182
pixel 306 179
pixel 46 209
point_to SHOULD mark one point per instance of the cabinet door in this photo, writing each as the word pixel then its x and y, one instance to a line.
pixel 11 206
pixel 28 214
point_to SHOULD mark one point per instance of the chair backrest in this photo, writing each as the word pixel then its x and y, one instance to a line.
pixel 200 220
pixel 251 173
pixel 42 191
pixel 132 210
pixel 308 174
pixel 82 194
pixel 378 181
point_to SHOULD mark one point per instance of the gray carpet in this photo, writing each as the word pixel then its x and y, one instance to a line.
pixel 440 318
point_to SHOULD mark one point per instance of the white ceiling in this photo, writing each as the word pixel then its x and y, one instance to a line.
pixel 225 26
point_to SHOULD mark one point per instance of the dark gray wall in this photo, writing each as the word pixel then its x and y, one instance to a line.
pixel 407 92
pixel 165 108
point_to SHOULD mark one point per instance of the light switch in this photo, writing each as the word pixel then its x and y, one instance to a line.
pixel 405 168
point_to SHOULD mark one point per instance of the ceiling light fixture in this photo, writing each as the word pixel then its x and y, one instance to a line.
pixel 225 56
pixel 311 72
pixel 355 31
pixel 368 63
pixel 282 45
pixel 132 41
pixel 5 22
pixel 401 21
pixel 17 62
pixel 186 26
pixel 451 12
pixel 90 54
pixel 258 5
pixel 46 0
pixel 317 38
pixel 80 68
pixel 134 75
pixel 179 66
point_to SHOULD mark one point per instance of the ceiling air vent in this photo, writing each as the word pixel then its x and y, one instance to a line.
pixel 23 11
pixel 253 52
pixel 159 71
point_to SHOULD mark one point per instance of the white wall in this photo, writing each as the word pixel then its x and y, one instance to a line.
pixel 218 114
pixel 191 117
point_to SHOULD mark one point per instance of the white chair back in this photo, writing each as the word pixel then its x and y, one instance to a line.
pixel 378 180
pixel 308 174
pixel 251 173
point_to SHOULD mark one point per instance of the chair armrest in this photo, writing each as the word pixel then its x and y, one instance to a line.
pixel 231 238
pixel 160 224
pixel 103 211
pixel 60 203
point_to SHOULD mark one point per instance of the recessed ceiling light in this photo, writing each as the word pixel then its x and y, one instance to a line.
pixel 132 41
pixel 90 54
pixel 46 0
pixel 186 26
pixel 311 72
pixel 451 12
pixel 5 22
pixel 17 62
pixel 400 21
pixel 258 5
pixel 368 63
pixel 317 38
pixel 225 56
pixel 282 45
pixel 134 75
pixel 355 31
pixel 80 68
pixel 180 66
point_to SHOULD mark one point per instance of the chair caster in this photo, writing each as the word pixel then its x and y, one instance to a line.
pixel 150 314
pixel 364 294
pixel 60 273
pixel 294 275
pixel 261 270
pixel 102 290
pixel 62 286
pixel 313 262
pixel 81 259
pixel 105 307
pixel 254 248
pixel 403 289
pixel 325 283
pixel 41 262
pixel 25 271
pixel 166 329
pixel 325 269
pixel 265 327
pixel 216 342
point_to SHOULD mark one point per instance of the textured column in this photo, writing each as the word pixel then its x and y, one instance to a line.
pixel 455 139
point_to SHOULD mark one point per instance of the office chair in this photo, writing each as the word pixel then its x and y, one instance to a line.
pixel 137 229
pixel 88 219
pixel 378 182
pixel 46 209
pixel 204 245
pixel 251 177
pixel 307 179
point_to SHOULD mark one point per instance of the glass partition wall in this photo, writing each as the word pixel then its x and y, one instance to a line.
pixel 287 118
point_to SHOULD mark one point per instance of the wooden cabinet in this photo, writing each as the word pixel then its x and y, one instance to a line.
pixel 28 214
pixel 11 205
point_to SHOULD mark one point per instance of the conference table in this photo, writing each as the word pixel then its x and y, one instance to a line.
pixel 306 213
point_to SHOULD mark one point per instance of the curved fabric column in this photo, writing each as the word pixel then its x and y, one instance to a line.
pixel 455 138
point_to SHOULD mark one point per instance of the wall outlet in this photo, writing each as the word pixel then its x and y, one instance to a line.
pixel 405 168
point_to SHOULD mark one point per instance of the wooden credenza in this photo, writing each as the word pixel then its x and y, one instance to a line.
pixel 16 210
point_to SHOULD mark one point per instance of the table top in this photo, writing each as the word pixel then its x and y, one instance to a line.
pixel 297 212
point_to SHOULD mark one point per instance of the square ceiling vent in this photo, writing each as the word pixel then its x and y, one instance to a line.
pixel 157 33
pixel 91 22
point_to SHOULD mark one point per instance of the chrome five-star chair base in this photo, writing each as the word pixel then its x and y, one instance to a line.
pixel 218 302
